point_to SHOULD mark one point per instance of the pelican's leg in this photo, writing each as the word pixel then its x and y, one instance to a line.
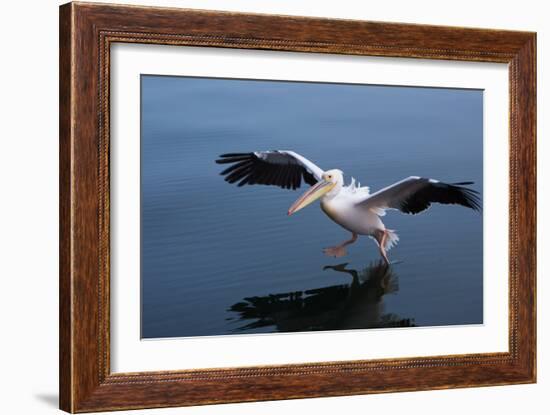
pixel 382 245
pixel 340 250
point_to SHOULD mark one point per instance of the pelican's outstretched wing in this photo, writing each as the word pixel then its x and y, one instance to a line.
pixel 278 168
pixel 416 194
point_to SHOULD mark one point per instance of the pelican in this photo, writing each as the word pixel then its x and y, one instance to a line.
pixel 352 207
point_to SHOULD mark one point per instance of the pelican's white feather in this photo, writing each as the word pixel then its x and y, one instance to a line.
pixel 357 189
pixel 309 165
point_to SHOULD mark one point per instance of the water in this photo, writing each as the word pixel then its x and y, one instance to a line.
pixel 217 259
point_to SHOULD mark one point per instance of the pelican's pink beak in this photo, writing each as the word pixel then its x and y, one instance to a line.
pixel 315 192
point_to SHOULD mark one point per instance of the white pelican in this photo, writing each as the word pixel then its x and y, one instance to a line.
pixel 353 207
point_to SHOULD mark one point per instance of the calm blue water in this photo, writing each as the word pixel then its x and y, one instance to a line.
pixel 217 259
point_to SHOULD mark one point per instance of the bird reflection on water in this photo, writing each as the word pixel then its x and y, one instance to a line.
pixel 356 305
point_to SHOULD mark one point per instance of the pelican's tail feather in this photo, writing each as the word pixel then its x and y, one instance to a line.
pixel 391 240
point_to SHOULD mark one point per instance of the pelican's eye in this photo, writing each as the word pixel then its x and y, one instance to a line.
pixel 329 176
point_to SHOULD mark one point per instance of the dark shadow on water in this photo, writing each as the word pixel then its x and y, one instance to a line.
pixel 357 305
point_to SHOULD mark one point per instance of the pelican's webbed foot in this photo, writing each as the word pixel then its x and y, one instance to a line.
pixel 340 250
pixel 335 251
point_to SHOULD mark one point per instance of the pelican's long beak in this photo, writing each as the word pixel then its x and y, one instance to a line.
pixel 314 193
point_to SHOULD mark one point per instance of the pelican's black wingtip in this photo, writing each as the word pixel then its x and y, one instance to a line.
pixel 471 196
pixel 473 201
pixel 233 157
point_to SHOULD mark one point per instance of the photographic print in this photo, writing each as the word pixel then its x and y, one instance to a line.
pixel 257 207
pixel 286 206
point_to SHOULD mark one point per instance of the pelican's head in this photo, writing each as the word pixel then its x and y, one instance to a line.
pixel 334 176
pixel 331 180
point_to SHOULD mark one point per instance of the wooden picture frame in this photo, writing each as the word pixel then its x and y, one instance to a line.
pixel 86 33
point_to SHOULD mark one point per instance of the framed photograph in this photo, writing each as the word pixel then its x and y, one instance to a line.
pixel 258 207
